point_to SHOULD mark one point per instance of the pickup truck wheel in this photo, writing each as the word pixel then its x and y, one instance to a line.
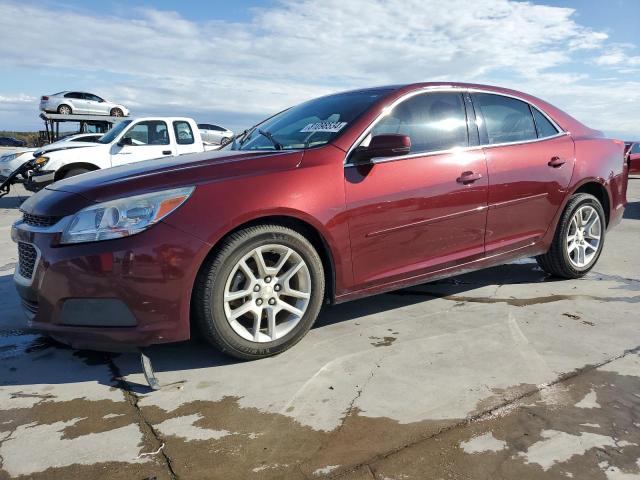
pixel 578 240
pixel 261 293
pixel 73 172
pixel 64 110
pixel 116 112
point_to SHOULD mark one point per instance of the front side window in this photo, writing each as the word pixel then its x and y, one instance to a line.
pixel 310 124
pixel 433 121
pixel 506 119
pixel 151 132
pixel 94 98
pixel 544 127
pixel 184 135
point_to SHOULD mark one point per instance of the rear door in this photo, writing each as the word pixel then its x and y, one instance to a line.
pixel 413 214
pixel 149 139
pixel 530 162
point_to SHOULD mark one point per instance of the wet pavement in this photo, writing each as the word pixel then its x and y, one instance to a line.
pixel 503 373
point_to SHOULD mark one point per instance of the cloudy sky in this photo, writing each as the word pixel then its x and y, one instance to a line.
pixel 235 62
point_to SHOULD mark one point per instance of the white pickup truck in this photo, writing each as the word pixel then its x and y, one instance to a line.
pixel 131 140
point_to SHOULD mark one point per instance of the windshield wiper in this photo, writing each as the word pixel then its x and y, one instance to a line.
pixel 269 135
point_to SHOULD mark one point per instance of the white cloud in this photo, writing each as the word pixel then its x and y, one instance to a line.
pixel 154 60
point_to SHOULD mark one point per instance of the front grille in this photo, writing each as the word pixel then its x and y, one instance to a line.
pixel 40 220
pixel 27 256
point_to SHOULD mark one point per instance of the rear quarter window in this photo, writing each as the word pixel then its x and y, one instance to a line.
pixel 544 127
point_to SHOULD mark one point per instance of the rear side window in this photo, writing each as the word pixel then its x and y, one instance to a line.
pixel 544 127
pixel 506 119
pixel 433 121
pixel 184 134
pixel 73 95
pixel 635 148
pixel 152 132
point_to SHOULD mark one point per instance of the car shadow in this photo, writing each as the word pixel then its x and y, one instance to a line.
pixel 632 211
pixel 39 360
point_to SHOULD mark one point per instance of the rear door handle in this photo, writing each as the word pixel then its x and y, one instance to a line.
pixel 556 162
pixel 166 152
pixel 468 177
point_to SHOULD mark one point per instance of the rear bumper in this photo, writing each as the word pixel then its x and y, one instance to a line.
pixel 112 295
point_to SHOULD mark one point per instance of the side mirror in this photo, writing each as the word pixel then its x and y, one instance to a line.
pixel 389 145
pixel 124 141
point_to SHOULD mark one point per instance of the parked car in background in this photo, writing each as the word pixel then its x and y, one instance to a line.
pixel 11 142
pixel 340 197
pixel 68 103
pixel 131 140
pixel 10 161
pixel 634 157
pixel 214 133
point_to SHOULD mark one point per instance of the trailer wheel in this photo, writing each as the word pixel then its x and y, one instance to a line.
pixel 64 110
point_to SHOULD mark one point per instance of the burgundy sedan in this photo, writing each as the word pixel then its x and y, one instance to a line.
pixel 340 197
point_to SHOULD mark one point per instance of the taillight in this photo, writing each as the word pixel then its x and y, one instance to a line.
pixel 44 98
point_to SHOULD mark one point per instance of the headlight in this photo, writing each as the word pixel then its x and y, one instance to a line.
pixel 8 157
pixel 41 161
pixel 124 216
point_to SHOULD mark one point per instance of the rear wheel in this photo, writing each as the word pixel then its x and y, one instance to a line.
pixel 64 110
pixel 116 112
pixel 578 240
pixel 261 293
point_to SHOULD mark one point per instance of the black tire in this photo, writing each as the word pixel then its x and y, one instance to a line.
pixel 556 261
pixel 65 110
pixel 116 112
pixel 73 172
pixel 208 304
pixel 224 141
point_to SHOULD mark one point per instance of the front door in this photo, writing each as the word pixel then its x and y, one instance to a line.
pixel 144 140
pixel 530 163
pixel 423 211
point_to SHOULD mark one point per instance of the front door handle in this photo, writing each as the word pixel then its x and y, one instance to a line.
pixel 556 162
pixel 468 177
pixel 166 152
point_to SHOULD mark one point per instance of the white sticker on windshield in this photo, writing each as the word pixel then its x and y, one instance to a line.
pixel 324 127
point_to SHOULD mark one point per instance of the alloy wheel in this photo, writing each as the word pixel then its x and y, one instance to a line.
pixel 584 236
pixel 267 293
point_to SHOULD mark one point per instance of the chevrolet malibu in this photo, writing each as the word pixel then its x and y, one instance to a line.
pixel 340 197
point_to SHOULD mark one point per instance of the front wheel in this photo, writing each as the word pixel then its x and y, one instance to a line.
pixel 261 293
pixel 578 240
pixel 116 112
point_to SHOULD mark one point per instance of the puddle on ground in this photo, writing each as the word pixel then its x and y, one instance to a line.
pixel 593 426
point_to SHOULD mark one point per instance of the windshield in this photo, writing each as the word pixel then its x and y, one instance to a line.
pixel 114 132
pixel 309 124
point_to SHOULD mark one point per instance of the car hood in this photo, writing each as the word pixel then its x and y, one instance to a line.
pixel 55 148
pixel 173 172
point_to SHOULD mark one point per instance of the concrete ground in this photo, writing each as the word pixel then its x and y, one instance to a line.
pixel 503 373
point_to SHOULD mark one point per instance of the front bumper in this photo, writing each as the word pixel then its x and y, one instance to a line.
pixel 39 179
pixel 112 295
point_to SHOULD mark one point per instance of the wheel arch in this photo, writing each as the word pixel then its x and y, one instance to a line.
pixel 301 226
pixel 65 168
pixel 595 187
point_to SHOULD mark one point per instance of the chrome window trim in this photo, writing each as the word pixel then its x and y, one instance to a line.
pixel 446 88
